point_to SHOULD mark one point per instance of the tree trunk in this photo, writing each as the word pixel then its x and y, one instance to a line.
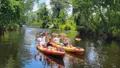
pixel 1 31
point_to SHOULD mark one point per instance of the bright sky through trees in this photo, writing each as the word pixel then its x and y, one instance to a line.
pixel 35 8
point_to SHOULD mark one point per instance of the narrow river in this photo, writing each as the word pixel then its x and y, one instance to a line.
pixel 18 50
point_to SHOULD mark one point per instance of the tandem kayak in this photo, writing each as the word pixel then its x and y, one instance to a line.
pixel 69 49
pixel 48 51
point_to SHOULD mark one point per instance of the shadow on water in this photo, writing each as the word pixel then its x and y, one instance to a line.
pixel 76 57
pixel 49 61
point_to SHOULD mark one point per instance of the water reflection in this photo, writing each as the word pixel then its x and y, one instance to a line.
pixel 17 50
pixel 49 61
pixel 76 57
pixel 93 56
pixel 73 60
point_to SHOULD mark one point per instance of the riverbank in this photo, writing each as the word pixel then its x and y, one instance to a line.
pixel 105 36
pixel 88 33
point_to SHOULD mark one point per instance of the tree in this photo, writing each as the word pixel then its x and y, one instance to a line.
pixel 12 13
pixel 59 11
pixel 43 15
pixel 9 12
pixel 57 6
pixel 97 16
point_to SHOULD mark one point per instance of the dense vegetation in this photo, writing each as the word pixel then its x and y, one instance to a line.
pixel 12 13
pixel 88 16
pixel 102 17
pixel 57 16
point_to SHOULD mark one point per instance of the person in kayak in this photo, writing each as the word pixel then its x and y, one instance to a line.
pixel 53 38
pixel 49 44
pixel 56 39
pixel 49 40
pixel 65 41
pixel 42 39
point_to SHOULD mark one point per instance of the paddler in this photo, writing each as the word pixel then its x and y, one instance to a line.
pixel 56 39
pixel 65 42
pixel 50 39
pixel 42 39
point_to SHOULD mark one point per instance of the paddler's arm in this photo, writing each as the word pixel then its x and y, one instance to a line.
pixel 46 36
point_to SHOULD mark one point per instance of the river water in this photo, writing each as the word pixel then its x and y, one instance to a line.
pixel 18 50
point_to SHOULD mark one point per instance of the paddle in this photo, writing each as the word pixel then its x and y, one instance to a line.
pixel 63 34
pixel 77 39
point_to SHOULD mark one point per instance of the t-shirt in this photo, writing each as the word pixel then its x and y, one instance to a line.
pixel 41 40
pixel 42 43
pixel 56 40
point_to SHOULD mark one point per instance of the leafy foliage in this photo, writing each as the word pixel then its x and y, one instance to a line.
pixel 12 13
pixel 39 18
pixel 97 16
pixel 91 16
